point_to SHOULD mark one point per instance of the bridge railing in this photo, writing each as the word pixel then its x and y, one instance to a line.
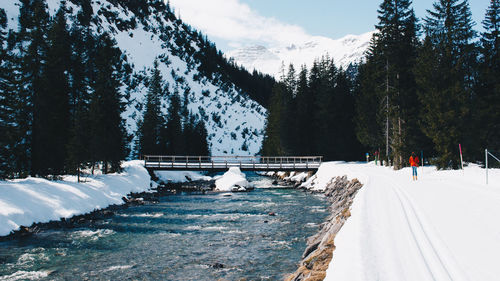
pixel 166 161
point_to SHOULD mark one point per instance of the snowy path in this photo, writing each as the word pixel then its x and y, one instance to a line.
pixel 443 227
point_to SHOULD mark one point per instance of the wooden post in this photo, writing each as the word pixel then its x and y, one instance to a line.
pixel 173 160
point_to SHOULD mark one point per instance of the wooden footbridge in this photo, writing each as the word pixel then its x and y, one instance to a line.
pixel 222 163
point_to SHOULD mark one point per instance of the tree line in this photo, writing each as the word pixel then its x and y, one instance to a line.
pixel 178 132
pixel 311 112
pixel 63 89
pixel 425 85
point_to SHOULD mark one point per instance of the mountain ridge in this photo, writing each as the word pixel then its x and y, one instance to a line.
pixel 345 51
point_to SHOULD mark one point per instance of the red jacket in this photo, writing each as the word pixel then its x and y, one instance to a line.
pixel 414 161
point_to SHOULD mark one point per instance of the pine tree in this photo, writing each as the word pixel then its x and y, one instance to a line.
pixel 81 69
pixel 446 109
pixel 395 54
pixel 272 144
pixel 108 143
pixel 488 91
pixel 7 91
pixel 149 129
pixel 53 102
pixel 33 47
pixel 304 102
pixel 201 135
pixel 174 137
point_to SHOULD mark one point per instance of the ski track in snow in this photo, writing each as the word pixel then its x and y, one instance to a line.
pixel 442 227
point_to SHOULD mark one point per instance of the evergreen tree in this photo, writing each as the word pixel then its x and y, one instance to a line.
pixel 272 144
pixel 201 135
pixel 52 107
pixel 446 109
pixel 81 69
pixel 174 136
pixel 7 92
pixel 394 56
pixel 488 91
pixel 152 123
pixel 108 143
pixel 305 108
pixel 32 44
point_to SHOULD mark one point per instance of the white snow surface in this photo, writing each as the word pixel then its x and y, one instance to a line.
pixel 344 51
pixel 180 176
pixel 442 227
pixel 231 179
pixel 234 122
pixel 31 200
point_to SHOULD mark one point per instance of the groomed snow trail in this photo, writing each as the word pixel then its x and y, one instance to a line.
pixel 443 227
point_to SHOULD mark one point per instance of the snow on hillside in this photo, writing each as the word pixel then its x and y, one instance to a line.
pixel 234 122
pixel 442 227
pixel 344 51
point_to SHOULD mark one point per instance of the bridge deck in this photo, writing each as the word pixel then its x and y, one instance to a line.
pixel 222 163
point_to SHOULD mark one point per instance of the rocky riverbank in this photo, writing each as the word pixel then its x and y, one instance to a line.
pixel 318 254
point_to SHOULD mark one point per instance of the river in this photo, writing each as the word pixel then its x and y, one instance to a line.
pixel 183 237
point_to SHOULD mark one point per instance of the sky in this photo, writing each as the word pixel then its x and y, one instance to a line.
pixel 236 23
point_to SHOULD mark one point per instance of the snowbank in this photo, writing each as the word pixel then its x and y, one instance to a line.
pixel 442 227
pixel 180 176
pixel 30 200
pixel 232 180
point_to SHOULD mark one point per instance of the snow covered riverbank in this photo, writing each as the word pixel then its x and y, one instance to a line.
pixel 26 201
pixel 35 200
pixel 442 227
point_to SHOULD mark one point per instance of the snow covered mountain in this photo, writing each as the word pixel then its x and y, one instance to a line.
pixel 344 51
pixel 146 30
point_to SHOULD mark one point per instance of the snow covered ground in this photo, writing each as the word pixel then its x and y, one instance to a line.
pixel 232 180
pixel 445 226
pixel 26 201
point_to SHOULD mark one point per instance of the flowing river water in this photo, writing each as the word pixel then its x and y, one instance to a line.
pixel 183 237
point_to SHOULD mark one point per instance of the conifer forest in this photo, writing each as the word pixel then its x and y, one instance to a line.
pixel 426 84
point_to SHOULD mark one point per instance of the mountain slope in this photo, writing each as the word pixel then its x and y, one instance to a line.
pixel 146 30
pixel 344 51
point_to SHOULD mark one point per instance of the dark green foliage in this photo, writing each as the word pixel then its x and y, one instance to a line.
pixel 386 89
pixel 446 104
pixel 272 144
pixel 81 71
pixel 50 134
pixel 108 142
pixel 488 88
pixel 174 137
pixel 34 23
pixel 312 114
pixel 150 127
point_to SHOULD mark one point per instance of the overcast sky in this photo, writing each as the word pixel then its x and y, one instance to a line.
pixel 235 23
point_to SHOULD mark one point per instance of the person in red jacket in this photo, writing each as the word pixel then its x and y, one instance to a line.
pixel 414 162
